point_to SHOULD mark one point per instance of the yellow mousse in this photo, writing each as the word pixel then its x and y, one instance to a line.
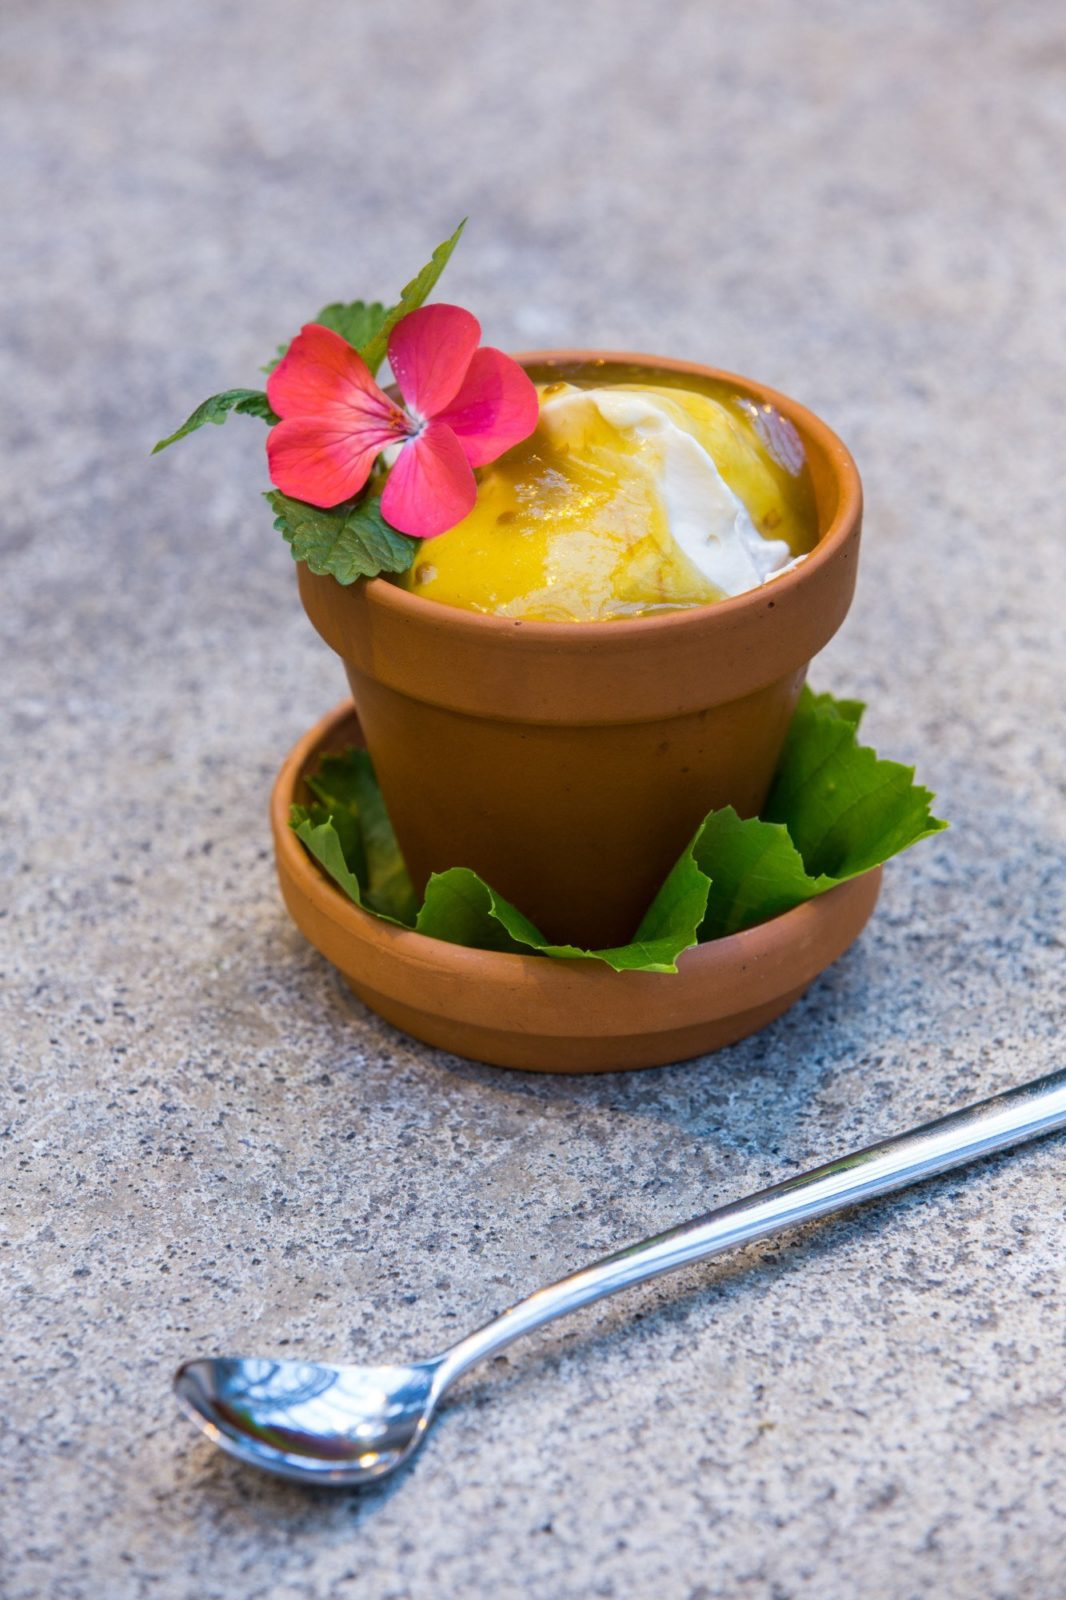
pixel 627 499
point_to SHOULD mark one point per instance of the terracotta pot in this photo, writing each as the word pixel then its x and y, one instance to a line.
pixel 569 763
pixel 554 1016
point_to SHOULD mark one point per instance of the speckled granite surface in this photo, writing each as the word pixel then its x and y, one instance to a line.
pixel 207 1143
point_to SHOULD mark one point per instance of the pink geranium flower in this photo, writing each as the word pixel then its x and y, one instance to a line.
pixel 463 407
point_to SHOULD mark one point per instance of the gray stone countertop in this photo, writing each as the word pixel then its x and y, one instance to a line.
pixel 208 1144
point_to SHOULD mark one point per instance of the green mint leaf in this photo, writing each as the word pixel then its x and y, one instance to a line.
pixel 348 541
pixel 355 321
pixel 247 402
pixel 412 295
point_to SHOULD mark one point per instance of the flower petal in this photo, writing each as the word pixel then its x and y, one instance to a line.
pixel 431 486
pixel 429 352
pixel 321 375
pixel 320 461
pixel 497 407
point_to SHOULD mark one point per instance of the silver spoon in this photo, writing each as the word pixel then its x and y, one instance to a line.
pixel 347 1425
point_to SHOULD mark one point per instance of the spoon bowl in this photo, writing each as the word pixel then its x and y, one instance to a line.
pixel 311 1422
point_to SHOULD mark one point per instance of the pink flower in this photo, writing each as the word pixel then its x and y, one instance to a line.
pixel 463 408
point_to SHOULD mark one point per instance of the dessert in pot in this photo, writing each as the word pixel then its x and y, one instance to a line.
pixel 628 498
pixel 575 595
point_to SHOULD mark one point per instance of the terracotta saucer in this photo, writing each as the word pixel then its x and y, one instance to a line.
pixel 554 1016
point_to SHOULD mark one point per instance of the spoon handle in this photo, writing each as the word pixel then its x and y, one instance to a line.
pixel 1006 1119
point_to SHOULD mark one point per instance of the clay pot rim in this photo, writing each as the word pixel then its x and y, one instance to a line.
pixel 736 957
pixel 380 592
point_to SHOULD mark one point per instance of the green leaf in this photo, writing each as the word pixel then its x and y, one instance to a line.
pixel 845 809
pixel 247 402
pixel 323 840
pixel 350 835
pixel 349 541
pixel 346 786
pixel 755 872
pixel 330 808
pixel 365 325
pixel 412 295
pixel 461 908
pixel 835 811
pixel 355 321
pixel 671 923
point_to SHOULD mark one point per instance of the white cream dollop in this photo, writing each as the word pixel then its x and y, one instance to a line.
pixel 709 523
